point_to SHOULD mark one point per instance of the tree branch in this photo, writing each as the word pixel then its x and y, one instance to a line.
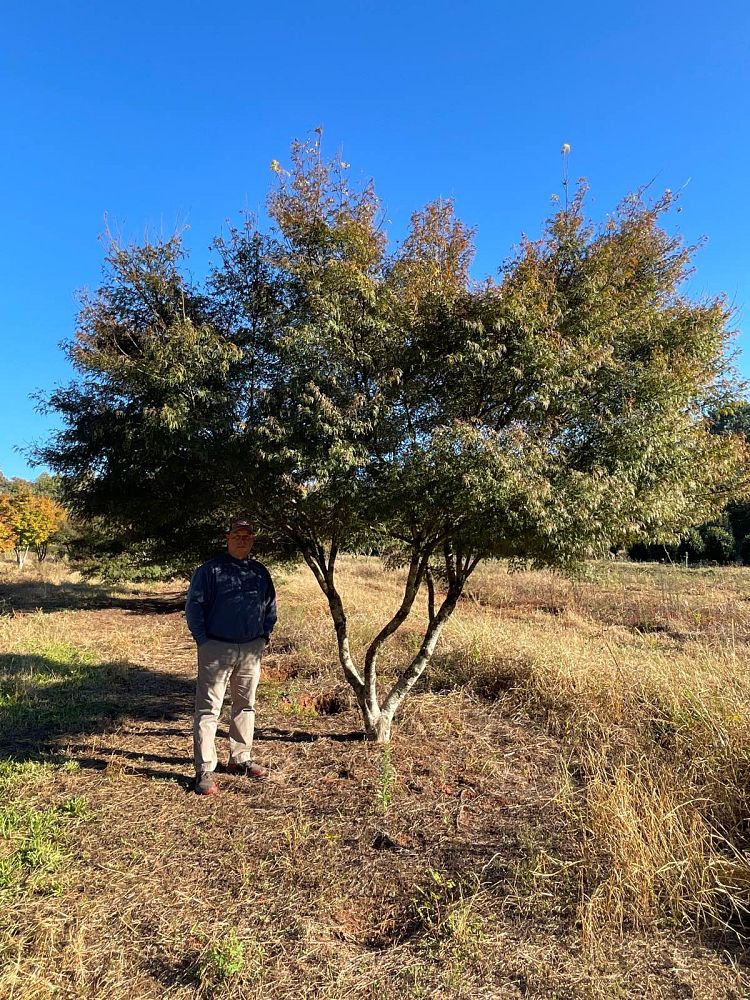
pixel 416 668
pixel 414 671
pixel 323 571
pixel 450 562
pixel 332 558
pixel 430 595
pixel 417 567
pixel 316 568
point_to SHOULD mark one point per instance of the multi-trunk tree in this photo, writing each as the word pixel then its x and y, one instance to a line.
pixel 351 396
pixel 27 520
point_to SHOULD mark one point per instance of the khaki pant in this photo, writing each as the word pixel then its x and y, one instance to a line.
pixel 222 664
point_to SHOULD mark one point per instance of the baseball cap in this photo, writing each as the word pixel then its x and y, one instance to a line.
pixel 241 522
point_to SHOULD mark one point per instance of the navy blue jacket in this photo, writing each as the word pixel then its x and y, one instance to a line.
pixel 231 599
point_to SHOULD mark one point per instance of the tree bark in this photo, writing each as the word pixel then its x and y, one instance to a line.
pixel 417 568
pixel 380 731
pixel 323 571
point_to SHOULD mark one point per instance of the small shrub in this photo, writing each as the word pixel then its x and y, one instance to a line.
pixel 230 960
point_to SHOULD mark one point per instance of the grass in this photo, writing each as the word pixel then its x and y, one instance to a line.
pixel 655 721
pixel 35 858
pixel 228 961
pixel 562 812
pixel 386 779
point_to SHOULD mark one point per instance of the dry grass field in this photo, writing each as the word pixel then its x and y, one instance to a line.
pixel 563 811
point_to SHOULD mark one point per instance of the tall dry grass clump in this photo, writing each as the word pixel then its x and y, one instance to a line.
pixel 644 673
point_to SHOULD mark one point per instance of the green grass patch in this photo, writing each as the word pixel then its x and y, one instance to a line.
pixel 34 856
pixel 52 686
pixel 15 774
pixel 229 963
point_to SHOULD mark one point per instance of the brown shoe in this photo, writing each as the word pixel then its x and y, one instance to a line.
pixel 205 783
pixel 247 769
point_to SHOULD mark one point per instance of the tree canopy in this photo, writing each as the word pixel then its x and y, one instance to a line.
pixel 348 394
pixel 27 519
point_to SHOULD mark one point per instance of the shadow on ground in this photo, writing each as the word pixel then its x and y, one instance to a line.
pixel 35 595
pixel 273 734
pixel 45 701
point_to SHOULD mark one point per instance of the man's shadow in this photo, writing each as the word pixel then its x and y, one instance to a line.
pixel 50 707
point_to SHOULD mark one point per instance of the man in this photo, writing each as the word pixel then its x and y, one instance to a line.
pixel 230 611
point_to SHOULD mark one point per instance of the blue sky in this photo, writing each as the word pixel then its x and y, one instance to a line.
pixel 157 116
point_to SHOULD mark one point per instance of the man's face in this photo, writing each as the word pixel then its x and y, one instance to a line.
pixel 240 542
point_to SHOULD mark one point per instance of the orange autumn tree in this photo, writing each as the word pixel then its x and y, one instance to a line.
pixel 27 520
pixel 7 536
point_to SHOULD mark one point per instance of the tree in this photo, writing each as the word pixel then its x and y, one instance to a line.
pixel 50 518
pixel 27 520
pixel 151 422
pixel 735 419
pixel 732 418
pixel 7 535
pixel 719 544
pixel 723 540
pixel 348 397
pixel 46 485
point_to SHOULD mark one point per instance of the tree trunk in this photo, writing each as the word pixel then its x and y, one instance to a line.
pixel 377 719
pixel 21 556
pixel 421 661
pixel 379 731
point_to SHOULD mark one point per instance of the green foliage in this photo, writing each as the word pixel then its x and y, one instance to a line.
pixel 348 395
pixel 33 842
pixel 128 567
pixel 707 543
pixel 720 542
pixel 226 961
pixel 46 485
pixel 732 418
pixel 735 419
pixel 386 779
pixel 150 415
pixel 16 774
pixel 76 806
